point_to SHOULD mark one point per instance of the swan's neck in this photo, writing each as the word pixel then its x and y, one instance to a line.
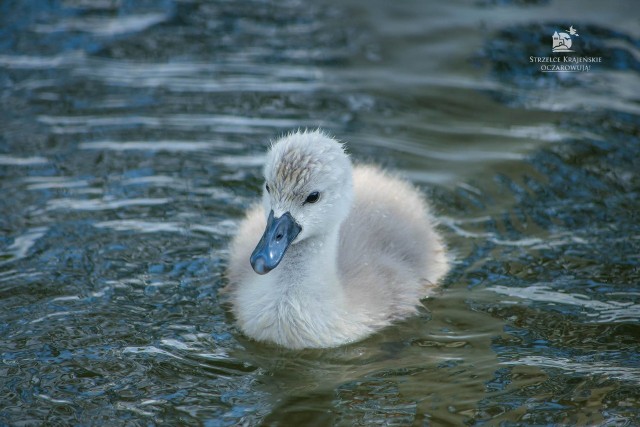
pixel 310 269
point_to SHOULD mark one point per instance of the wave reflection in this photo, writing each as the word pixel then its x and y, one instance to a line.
pixel 597 311
pixel 587 367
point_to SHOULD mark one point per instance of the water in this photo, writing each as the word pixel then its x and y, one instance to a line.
pixel 131 140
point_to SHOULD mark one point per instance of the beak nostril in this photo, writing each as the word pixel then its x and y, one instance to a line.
pixel 279 236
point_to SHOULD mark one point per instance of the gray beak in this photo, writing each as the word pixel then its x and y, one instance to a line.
pixel 277 237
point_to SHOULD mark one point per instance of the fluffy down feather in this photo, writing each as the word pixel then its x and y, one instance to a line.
pixel 367 253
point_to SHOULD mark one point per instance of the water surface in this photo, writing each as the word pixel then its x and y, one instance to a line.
pixel 131 139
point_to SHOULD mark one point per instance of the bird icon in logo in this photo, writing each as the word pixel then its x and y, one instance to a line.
pixel 573 32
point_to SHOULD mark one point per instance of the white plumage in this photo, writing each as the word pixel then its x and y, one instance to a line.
pixel 365 252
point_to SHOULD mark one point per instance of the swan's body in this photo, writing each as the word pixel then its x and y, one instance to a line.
pixel 359 257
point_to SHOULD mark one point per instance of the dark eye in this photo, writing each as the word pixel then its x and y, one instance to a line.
pixel 266 186
pixel 313 197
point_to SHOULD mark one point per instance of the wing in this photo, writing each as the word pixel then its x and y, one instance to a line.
pixel 389 239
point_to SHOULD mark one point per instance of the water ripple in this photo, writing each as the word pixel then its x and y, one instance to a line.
pixel 150 349
pixel 222 228
pixel 234 124
pixel 33 62
pixel 232 75
pixel 600 311
pixel 592 367
pixel 54 182
pixel 161 145
pixel 103 204
pixel 104 26
pixel 6 160
pixel 552 240
pixel 21 244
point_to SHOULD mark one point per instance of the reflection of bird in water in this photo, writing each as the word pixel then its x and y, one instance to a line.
pixel 573 32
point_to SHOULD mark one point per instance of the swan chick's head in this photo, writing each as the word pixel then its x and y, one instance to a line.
pixel 308 192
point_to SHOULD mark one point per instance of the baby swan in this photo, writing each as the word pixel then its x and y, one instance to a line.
pixel 344 250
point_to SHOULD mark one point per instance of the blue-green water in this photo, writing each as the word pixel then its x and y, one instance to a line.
pixel 131 139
